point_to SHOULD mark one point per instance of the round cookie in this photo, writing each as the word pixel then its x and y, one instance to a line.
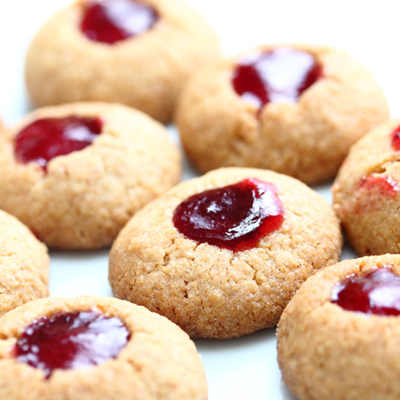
pixel 135 354
pixel 327 352
pixel 24 265
pixel 145 71
pixel 81 200
pixel 233 288
pixel 365 192
pixel 299 110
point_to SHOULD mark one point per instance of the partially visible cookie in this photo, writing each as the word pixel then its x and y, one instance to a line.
pixel 339 336
pixel 222 255
pixel 96 348
pixel 24 265
pixel 139 53
pixel 295 109
pixel 366 191
pixel 76 173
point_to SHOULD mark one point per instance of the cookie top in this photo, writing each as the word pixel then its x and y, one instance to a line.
pixel 143 355
pixel 327 351
pixel 81 200
pixel 365 192
pixel 200 285
pixel 145 70
pixel 24 265
pixel 295 109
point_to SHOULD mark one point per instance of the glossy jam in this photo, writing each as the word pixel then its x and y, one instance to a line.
pixel 279 76
pixel 396 139
pixel 377 292
pixel 234 217
pixel 385 185
pixel 110 21
pixel 47 138
pixel 71 341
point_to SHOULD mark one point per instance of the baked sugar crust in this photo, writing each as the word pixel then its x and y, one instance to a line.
pixel 307 140
pixel 327 353
pixel 158 362
pixel 84 198
pixel 211 291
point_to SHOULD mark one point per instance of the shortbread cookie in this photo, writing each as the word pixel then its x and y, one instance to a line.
pixel 139 53
pixel 293 109
pixel 96 348
pixel 75 174
pixel 24 265
pixel 365 193
pixel 339 336
pixel 222 255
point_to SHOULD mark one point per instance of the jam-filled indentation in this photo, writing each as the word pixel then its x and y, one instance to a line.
pixel 46 138
pixel 382 184
pixel 395 136
pixel 71 340
pixel 110 21
pixel 376 292
pixel 234 217
pixel 280 75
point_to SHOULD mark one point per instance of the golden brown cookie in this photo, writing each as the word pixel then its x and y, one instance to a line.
pixel 82 199
pixel 327 350
pixel 96 348
pixel 24 265
pixel 260 235
pixel 365 192
pixel 145 70
pixel 316 103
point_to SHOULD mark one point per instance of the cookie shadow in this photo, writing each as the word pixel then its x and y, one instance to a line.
pixel 218 345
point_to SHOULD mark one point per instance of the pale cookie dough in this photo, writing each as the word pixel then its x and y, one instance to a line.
pixel 215 292
pixel 158 362
pixel 24 265
pixel 85 198
pixel 328 353
pixel 365 193
pixel 145 72
pixel 307 140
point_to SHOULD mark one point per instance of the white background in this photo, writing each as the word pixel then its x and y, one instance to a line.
pixel 242 368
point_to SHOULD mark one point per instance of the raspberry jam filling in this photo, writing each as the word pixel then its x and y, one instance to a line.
pixel 110 21
pixel 385 185
pixel 71 341
pixel 396 139
pixel 377 292
pixel 47 138
pixel 279 76
pixel 234 217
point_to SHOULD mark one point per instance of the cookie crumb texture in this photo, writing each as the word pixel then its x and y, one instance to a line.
pixel 158 362
pixel 24 265
pixel 307 139
pixel 146 71
pixel 84 198
pixel 366 192
pixel 214 292
pixel 328 353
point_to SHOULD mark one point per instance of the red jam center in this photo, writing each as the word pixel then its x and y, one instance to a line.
pixel 385 185
pixel 47 138
pixel 377 292
pixel 110 21
pixel 278 76
pixel 234 217
pixel 396 139
pixel 71 340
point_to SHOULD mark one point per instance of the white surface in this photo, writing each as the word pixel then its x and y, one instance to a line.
pixel 243 368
